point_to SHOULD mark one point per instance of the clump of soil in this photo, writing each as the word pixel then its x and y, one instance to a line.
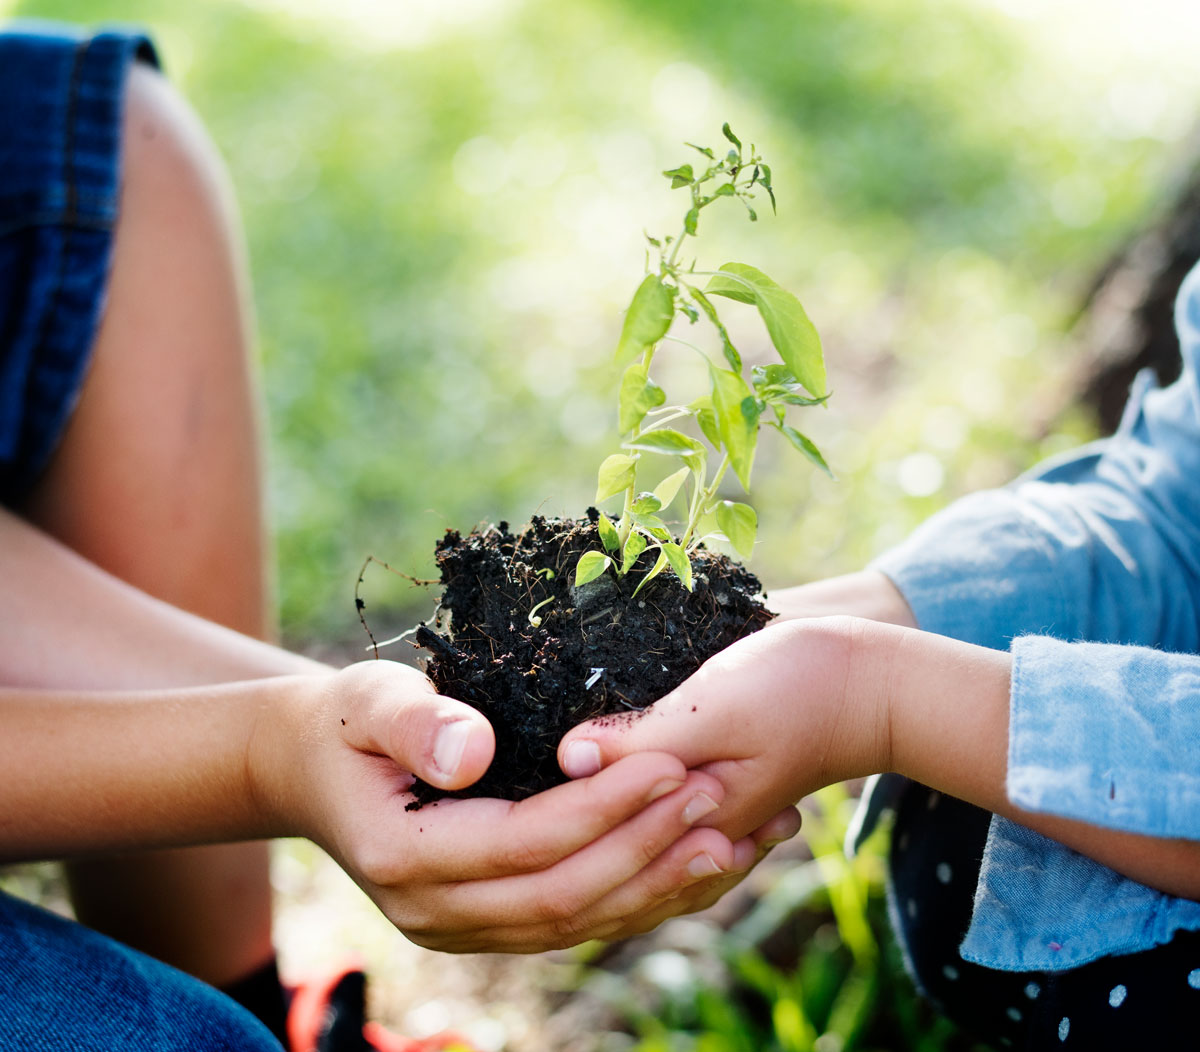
pixel 595 651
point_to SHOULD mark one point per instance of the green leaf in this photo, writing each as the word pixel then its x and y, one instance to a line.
pixel 664 440
pixel 806 447
pixel 681 176
pixel 648 318
pixel 655 570
pixel 731 355
pixel 702 149
pixel 680 563
pixel 737 420
pixel 652 524
pixel 645 504
pixel 639 394
pixel 766 181
pixel 707 420
pixel 691 219
pixel 740 524
pixel 590 566
pixel 775 383
pixel 617 473
pixel 634 546
pixel 665 491
pixel 793 335
pixel 728 133
pixel 724 190
pixel 609 536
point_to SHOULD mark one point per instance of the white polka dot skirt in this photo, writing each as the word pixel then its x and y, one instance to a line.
pixel 1142 1000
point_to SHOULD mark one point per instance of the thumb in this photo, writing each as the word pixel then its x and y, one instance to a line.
pixel 442 741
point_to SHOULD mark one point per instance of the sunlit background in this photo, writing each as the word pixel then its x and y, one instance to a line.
pixel 445 202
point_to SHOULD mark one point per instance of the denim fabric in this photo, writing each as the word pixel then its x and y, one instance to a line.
pixel 60 123
pixel 64 988
pixel 1101 546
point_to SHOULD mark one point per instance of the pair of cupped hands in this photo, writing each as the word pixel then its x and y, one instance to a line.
pixel 662 815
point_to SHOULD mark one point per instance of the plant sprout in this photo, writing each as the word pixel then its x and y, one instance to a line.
pixel 730 415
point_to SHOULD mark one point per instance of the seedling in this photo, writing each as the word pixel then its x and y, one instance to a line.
pixel 730 416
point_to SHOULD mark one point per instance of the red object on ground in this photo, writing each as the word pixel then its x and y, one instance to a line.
pixel 328 1014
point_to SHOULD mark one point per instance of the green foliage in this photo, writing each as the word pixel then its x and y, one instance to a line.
pixel 440 201
pixel 837 986
pixel 729 415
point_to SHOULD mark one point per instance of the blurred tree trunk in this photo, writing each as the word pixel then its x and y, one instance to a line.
pixel 1126 323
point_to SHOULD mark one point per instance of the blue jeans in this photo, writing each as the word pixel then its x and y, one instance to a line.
pixel 65 988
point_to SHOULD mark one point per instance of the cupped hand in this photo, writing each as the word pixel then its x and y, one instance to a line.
pixel 477 875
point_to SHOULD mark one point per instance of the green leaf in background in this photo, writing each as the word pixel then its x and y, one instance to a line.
pixel 791 332
pixel 680 563
pixel 665 440
pixel 740 524
pixel 633 548
pixel 608 533
pixel 691 220
pixel 806 447
pixel 617 473
pixel 591 565
pixel 666 490
pixel 728 133
pixel 648 318
pixel 737 420
pixel 639 394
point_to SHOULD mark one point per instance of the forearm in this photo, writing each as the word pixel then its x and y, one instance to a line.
pixel 66 624
pixel 867 593
pixel 947 705
pixel 102 772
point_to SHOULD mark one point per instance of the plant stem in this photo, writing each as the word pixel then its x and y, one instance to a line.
pixel 700 499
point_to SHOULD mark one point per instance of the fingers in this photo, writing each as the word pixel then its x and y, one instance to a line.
pixel 650 856
pixel 465 840
pixel 747 853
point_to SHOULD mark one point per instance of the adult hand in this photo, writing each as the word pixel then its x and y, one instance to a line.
pixel 479 875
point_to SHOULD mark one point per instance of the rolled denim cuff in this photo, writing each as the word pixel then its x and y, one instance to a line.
pixel 1106 734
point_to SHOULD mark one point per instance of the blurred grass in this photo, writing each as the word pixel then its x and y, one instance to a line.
pixel 445 203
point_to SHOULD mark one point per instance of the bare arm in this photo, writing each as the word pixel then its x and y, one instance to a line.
pixel 66 623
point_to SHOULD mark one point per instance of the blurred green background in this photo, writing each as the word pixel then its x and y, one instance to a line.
pixel 445 202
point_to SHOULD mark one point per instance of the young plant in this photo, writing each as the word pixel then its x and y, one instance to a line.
pixel 730 416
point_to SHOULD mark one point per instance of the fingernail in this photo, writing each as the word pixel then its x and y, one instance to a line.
pixel 581 759
pixel 449 746
pixel 703 866
pixel 697 807
pixel 667 785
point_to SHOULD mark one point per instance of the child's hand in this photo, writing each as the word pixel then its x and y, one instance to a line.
pixel 567 865
pixel 771 718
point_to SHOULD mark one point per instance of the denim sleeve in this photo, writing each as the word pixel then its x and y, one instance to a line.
pixel 1102 545
pixel 1106 734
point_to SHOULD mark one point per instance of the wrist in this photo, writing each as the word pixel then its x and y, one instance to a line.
pixel 282 725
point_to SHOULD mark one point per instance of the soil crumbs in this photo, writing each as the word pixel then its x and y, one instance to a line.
pixel 514 637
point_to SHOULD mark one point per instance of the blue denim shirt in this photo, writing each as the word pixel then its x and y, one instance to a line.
pixel 1088 570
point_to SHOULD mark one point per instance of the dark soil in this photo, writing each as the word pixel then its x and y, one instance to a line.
pixel 595 652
